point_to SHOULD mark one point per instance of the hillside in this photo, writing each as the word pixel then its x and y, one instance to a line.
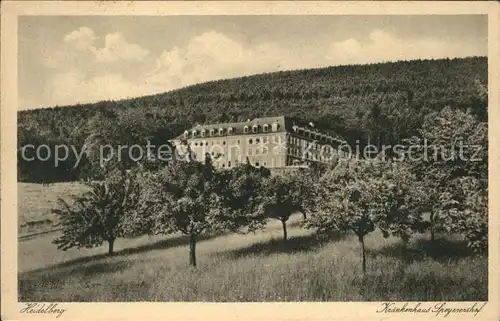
pixel 379 102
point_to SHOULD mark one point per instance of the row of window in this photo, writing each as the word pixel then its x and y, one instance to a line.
pixel 291 151
pixel 276 139
pixel 296 151
pixel 251 152
pixel 315 135
pixel 250 141
pixel 196 144
pixel 311 156
pixel 230 130
pixel 316 149
pixel 257 151
pixel 304 143
pixel 265 140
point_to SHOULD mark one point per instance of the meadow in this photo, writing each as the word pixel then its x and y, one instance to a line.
pixel 36 201
pixel 254 267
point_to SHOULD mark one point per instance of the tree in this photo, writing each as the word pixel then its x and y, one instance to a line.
pixel 466 212
pixel 281 196
pixel 97 215
pixel 456 153
pixel 404 199
pixel 241 195
pixel 473 220
pixel 362 195
pixel 185 197
pixel 480 100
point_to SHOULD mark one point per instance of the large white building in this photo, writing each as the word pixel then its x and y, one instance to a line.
pixel 272 142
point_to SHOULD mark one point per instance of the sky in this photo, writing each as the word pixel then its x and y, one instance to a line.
pixel 64 60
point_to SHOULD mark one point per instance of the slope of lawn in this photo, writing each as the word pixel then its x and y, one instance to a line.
pixel 36 201
pixel 257 267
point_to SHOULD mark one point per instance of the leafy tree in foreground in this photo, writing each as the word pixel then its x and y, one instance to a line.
pixel 281 196
pixel 403 199
pixel 467 213
pixel 455 160
pixel 360 196
pixel 241 194
pixel 97 215
pixel 184 197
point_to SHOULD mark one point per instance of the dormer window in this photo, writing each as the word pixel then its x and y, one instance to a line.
pixel 212 132
pixel 255 128
pixel 230 130
pixel 203 133
pixel 275 127
pixel 194 133
pixel 245 129
pixel 265 128
pixel 221 131
pixel 186 134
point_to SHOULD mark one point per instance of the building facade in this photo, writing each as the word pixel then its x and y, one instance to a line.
pixel 272 142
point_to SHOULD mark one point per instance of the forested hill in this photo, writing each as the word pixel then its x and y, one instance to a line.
pixel 384 102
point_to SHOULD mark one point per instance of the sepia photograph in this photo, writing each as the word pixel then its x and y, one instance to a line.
pixel 251 157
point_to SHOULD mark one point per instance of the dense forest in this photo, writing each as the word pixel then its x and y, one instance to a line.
pixel 382 103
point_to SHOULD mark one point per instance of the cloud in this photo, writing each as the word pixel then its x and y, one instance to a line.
pixel 75 87
pixel 209 56
pixel 383 46
pixel 116 47
pixel 82 39
pixel 213 55
pixel 206 57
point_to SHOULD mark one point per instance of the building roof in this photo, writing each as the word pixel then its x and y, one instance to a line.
pixel 285 124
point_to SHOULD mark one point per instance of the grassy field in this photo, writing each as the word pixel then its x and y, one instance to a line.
pixel 36 201
pixel 254 267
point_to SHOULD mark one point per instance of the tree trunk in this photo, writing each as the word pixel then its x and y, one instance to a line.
pixel 433 233
pixel 362 241
pixel 192 250
pixel 111 243
pixel 304 216
pixel 283 222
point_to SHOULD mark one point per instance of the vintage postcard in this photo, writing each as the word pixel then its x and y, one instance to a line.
pixel 250 160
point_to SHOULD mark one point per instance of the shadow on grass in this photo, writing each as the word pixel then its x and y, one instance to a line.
pixel 54 276
pixel 181 240
pixel 291 245
pixel 439 250
pixel 30 283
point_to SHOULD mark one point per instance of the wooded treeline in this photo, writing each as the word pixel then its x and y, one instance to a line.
pixel 381 103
